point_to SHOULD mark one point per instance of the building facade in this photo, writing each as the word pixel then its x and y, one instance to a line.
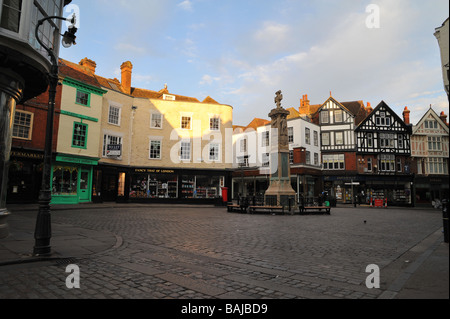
pixel 24 66
pixel 338 122
pixel 442 35
pixel 132 144
pixel 384 164
pixel 78 138
pixel 430 151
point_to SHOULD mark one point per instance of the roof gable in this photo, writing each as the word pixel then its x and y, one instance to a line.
pixel 426 116
pixel 383 107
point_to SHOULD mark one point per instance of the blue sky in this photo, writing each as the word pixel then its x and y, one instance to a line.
pixel 241 52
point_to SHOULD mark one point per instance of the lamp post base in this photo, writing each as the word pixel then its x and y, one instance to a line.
pixel 4 229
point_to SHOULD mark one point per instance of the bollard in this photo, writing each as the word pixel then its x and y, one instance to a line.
pixel 445 218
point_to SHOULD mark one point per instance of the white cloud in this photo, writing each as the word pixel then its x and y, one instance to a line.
pixel 208 79
pixel 186 5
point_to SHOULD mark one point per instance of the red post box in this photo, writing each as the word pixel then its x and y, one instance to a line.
pixel 225 194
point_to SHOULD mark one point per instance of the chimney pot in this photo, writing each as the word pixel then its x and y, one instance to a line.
pixel 406 118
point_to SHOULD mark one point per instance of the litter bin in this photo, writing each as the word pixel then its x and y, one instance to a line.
pixel 445 218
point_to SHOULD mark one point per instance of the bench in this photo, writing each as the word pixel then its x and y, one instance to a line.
pixel 271 209
pixel 316 209
pixel 235 207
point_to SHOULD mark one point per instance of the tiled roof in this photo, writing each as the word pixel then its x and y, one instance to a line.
pixel 257 122
pixel 210 100
pixel 79 73
pixel 86 75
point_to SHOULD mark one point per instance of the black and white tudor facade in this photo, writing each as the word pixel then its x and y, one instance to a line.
pixel 383 149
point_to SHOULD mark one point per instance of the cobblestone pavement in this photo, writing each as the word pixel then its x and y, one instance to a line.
pixel 164 252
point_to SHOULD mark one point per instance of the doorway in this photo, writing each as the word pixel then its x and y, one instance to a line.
pixel 84 186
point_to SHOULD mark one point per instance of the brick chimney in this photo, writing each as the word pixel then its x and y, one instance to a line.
pixel 369 108
pixel 127 69
pixel 443 117
pixel 304 105
pixel 89 65
pixel 406 113
pixel 299 155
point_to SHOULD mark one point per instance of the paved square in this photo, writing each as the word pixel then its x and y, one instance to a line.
pixel 196 252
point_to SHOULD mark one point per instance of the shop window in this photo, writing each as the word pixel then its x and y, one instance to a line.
pixel 10 15
pixel 154 186
pixel 65 181
pixel 207 186
pixel 23 124
pixel 79 139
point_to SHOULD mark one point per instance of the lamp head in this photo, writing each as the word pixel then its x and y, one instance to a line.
pixel 69 37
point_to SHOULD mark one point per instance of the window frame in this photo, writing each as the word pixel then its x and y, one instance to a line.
pixel 119 115
pixel 150 149
pixel 107 136
pixel 190 122
pixel 214 118
pixel 30 128
pixel 85 136
pixel 216 148
pixel 78 90
pixel 152 120
pixel 182 153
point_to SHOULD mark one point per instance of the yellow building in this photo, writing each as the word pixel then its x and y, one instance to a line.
pixel 156 145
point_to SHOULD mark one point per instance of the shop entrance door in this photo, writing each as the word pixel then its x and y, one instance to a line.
pixel 109 187
pixel 84 189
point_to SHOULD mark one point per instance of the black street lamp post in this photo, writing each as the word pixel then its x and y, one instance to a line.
pixel 43 230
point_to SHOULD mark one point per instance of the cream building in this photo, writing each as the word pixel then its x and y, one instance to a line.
pixel 158 146
pixel 77 143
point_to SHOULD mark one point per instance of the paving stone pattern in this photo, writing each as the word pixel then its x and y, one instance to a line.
pixel 164 252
